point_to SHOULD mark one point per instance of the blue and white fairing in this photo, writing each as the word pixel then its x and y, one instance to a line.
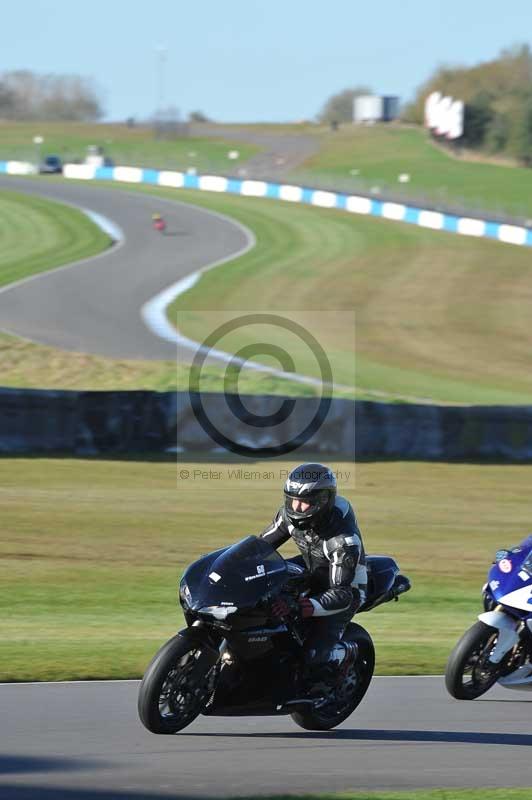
pixel 510 579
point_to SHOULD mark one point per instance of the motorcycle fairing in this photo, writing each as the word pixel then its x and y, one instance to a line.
pixel 520 598
pixel 520 679
pixel 510 577
pixel 258 687
pixel 235 575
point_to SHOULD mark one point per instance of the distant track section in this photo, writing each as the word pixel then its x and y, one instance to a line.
pixel 352 203
pixel 94 306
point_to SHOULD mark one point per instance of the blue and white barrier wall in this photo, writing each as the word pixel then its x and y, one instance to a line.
pixel 356 204
pixel 17 168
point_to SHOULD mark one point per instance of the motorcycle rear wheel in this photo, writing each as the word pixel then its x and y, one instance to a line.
pixel 357 682
pixel 467 675
pixel 174 689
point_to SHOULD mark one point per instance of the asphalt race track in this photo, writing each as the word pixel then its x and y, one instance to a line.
pixel 94 306
pixel 279 152
pixel 84 741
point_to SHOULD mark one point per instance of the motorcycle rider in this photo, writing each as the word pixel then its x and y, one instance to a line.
pixel 158 222
pixel 324 527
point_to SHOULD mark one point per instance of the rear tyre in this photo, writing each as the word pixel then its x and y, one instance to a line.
pixel 351 690
pixel 175 688
pixel 468 674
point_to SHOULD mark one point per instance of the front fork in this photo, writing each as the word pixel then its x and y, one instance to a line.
pixel 508 632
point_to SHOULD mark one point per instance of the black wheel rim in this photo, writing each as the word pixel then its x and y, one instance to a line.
pixel 182 694
pixel 477 675
pixel 340 696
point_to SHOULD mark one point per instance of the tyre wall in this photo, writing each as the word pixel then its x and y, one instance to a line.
pixel 92 423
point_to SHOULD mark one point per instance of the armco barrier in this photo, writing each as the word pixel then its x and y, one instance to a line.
pixel 92 423
pixel 356 204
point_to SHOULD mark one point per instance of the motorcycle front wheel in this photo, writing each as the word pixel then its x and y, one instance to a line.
pixel 468 674
pixel 175 687
pixel 350 690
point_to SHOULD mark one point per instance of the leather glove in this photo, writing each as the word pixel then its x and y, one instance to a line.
pixel 284 607
pixel 306 609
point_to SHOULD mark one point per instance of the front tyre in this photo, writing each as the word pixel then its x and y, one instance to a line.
pixel 175 687
pixel 469 673
pixel 350 687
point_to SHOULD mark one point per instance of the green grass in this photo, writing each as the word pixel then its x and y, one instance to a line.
pixel 381 153
pixel 412 794
pixel 92 552
pixel 436 316
pixel 126 146
pixel 37 235
pixel 25 365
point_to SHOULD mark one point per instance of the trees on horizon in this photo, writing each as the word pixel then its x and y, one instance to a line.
pixel 498 102
pixel 27 95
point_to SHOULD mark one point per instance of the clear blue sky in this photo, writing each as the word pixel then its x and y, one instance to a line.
pixel 247 60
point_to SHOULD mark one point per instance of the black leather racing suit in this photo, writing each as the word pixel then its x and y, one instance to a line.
pixel 333 553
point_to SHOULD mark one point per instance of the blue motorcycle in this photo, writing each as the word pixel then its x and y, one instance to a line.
pixel 498 648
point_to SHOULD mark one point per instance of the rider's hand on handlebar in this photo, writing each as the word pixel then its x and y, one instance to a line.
pixel 281 607
pixel 284 607
pixel 306 609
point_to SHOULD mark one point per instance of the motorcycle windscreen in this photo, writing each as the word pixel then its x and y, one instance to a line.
pixel 240 575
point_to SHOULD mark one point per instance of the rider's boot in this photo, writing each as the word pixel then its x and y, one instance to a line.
pixel 351 655
pixel 324 677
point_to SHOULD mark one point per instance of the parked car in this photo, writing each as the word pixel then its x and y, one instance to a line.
pixel 51 165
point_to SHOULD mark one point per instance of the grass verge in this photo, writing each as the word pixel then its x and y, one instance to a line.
pixel 93 551
pixel 37 235
pixel 436 316
pixel 25 365
pixel 360 158
pixel 413 794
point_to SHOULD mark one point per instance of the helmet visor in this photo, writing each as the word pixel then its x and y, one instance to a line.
pixel 306 506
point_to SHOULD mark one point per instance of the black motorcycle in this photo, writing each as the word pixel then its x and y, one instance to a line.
pixel 236 658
